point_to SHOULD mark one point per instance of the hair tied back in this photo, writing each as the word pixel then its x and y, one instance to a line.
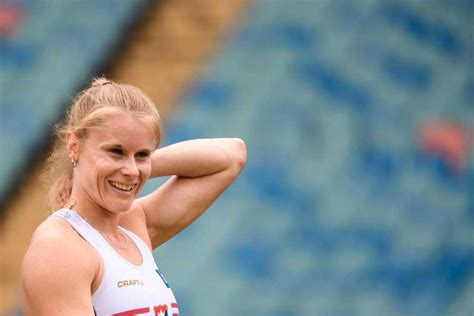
pixel 98 82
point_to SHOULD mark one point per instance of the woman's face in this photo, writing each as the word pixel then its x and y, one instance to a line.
pixel 114 161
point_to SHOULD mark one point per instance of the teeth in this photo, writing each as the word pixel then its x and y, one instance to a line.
pixel 122 187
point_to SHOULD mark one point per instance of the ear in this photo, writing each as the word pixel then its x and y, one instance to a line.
pixel 72 145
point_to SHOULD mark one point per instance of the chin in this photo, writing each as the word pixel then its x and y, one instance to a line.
pixel 120 202
pixel 121 207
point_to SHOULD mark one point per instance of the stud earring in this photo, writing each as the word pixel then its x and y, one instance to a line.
pixel 74 163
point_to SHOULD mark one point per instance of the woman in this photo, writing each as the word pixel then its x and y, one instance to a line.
pixel 94 255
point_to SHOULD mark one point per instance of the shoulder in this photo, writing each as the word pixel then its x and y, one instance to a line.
pixel 56 234
pixel 54 251
pixel 58 270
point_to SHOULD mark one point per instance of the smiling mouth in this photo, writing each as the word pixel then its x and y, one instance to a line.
pixel 123 187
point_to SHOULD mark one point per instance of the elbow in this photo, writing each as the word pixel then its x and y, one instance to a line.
pixel 239 155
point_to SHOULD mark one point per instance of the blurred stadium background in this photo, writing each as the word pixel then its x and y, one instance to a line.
pixel 358 195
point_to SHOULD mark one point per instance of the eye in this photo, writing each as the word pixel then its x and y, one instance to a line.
pixel 116 151
pixel 143 154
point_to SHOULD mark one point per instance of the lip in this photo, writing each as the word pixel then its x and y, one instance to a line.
pixel 116 189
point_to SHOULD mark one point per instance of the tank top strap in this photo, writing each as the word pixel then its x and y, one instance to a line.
pixel 83 228
pixel 91 235
pixel 147 254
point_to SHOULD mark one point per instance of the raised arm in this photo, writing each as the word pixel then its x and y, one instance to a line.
pixel 201 170
pixel 57 275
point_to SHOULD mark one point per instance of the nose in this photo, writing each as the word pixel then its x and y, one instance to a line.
pixel 130 168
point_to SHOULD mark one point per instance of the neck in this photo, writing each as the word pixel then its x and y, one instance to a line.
pixel 100 218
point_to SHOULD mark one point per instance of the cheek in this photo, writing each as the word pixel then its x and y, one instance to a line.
pixel 145 169
pixel 99 170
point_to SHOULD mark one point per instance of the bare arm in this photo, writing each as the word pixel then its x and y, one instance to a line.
pixel 56 277
pixel 201 170
pixel 195 158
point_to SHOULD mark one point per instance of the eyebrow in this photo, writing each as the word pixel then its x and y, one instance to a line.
pixel 108 145
pixel 112 145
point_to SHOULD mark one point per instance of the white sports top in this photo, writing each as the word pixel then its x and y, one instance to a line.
pixel 126 289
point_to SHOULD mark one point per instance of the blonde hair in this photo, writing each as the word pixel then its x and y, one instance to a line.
pixel 89 109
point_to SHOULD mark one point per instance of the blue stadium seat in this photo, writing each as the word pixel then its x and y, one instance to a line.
pixel 337 211
pixel 54 49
